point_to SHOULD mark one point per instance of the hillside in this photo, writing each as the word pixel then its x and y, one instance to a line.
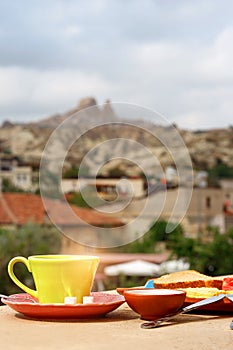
pixel 27 141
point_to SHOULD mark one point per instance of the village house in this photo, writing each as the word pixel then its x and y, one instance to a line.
pixel 205 209
pixel 107 188
pixel 17 209
pixel 18 174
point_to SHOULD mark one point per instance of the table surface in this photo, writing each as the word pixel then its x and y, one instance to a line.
pixel 119 330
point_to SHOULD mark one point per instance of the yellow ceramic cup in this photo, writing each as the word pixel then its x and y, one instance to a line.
pixel 57 276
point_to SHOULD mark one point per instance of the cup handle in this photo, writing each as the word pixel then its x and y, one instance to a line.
pixel 12 262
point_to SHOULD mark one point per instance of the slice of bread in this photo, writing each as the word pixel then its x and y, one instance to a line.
pixel 186 279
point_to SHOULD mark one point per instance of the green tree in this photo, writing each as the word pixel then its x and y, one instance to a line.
pixel 157 233
pixel 74 172
pixel 116 172
pixel 8 186
pixel 79 200
pixel 212 257
pixel 28 240
pixel 221 170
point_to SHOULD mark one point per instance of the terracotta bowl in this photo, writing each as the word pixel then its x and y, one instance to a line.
pixel 153 304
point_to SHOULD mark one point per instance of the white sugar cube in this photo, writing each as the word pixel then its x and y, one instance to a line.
pixel 88 300
pixel 70 300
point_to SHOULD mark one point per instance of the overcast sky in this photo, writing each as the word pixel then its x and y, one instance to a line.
pixel 172 56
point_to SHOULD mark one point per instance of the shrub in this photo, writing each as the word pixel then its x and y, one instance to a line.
pixel 28 240
pixel 8 186
pixel 212 258
pixel 157 233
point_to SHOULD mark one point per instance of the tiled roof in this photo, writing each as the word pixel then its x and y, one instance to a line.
pixel 21 208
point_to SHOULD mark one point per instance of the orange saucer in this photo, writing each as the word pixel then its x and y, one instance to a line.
pixel 103 303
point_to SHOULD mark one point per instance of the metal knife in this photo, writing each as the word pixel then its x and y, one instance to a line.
pixel 214 299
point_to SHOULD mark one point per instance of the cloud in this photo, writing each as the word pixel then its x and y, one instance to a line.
pixel 216 64
pixel 49 92
pixel 171 56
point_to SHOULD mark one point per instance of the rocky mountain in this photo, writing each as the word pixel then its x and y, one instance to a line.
pixel 88 129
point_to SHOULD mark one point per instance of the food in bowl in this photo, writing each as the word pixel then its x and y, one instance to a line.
pixel 152 304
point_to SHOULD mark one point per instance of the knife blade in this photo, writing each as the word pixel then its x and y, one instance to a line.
pixel 203 302
pixel 230 297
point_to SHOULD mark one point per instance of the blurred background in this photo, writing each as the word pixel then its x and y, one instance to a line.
pixel 174 57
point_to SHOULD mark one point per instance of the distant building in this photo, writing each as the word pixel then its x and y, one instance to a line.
pixel 204 210
pixel 17 209
pixel 19 175
pixel 107 188
pixel 226 184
